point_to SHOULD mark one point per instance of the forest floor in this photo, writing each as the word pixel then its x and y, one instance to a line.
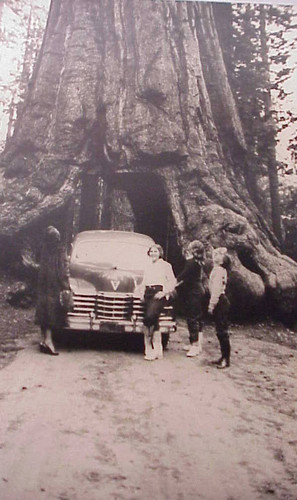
pixel 99 422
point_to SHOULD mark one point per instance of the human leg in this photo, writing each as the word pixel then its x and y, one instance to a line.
pixel 153 346
pixel 221 321
pixel 195 325
pixel 43 334
pixel 49 340
pixel 157 344
pixel 47 345
pixel 225 350
pixel 149 353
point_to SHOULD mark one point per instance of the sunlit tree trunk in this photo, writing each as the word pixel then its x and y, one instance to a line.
pixel 269 133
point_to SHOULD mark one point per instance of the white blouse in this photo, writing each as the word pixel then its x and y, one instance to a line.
pixel 217 285
pixel 158 273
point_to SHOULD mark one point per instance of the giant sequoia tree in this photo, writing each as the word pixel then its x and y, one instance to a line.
pixel 130 123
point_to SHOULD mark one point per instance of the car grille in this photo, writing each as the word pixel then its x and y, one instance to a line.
pixel 108 306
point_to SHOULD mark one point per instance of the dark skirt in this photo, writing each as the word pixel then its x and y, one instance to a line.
pixel 153 307
pixel 49 313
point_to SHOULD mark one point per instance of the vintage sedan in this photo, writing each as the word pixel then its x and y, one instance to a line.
pixel 106 268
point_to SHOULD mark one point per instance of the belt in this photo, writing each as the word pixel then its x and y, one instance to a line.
pixel 154 287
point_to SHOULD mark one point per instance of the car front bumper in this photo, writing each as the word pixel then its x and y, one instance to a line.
pixel 76 322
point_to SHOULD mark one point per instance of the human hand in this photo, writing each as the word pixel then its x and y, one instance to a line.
pixel 171 295
pixel 159 295
pixel 27 261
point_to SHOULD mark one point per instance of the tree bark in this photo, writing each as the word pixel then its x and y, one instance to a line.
pixel 138 92
pixel 11 114
pixel 270 133
pixel 26 63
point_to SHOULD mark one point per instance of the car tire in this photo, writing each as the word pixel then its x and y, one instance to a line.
pixel 62 337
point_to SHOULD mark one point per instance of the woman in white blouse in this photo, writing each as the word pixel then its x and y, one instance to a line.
pixel 157 286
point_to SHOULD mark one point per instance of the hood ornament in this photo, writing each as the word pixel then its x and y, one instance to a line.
pixel 115 284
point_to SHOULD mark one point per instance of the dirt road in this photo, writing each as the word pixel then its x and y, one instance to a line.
pixel 94 424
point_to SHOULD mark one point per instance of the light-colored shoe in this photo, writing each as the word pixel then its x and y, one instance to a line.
pixel 149 357
pixel 194 350
pixel 157 343
pixel 186 347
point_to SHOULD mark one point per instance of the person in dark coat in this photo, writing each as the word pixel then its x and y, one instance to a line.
pixel 191 280
pixel 53 277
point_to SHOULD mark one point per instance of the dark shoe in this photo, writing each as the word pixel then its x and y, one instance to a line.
pixel 223 364
pixel 47 350
pixel 217 361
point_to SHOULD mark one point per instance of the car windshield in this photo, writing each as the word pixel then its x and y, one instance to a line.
pixel 121 254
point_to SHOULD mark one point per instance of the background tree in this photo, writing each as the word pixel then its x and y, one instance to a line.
pixel 282 40
pixel 247 85
pixel 21 29
pixel 268 136
pixel 262 45
pixel 134 99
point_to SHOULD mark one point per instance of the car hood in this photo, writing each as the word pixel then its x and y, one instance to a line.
pixel 89 278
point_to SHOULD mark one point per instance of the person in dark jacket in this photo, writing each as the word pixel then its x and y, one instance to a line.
pixel 53 277
pixel 191 279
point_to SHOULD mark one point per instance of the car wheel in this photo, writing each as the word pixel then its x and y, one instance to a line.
pixel 62 337
pixel 136 342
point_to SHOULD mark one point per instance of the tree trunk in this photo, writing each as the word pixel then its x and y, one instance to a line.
pixel 269 133
pixel 11 115
pixel 1 15
pixel 26 63
pixel 138 94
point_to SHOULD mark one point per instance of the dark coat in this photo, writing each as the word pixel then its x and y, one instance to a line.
pixel 192 278
pixel 53 277
pixel 193 288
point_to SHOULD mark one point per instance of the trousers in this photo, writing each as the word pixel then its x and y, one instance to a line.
pixel 194 316
pixel 220 314
pixel 153 348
